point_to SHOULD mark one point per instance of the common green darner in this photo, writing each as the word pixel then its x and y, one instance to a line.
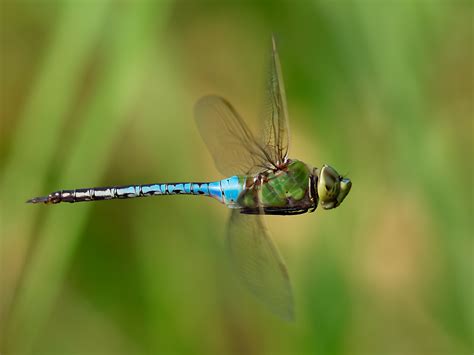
pixel 263 180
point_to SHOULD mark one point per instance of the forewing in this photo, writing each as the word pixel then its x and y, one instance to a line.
pixel 276 134
pixel 230 141
pixel 259 263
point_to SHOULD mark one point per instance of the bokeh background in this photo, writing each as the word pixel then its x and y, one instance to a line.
pixel 102 93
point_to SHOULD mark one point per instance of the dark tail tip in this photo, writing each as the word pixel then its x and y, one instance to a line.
pixel 41 199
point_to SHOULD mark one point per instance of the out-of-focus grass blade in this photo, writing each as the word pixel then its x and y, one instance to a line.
pixel 36 138
pixel 104 115
pixel 50 99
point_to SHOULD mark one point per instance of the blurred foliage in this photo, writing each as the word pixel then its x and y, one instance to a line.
pixel 101 93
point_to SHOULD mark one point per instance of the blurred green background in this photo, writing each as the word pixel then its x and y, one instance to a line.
pixel 101 93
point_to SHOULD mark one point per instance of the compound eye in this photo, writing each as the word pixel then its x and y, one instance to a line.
pixel 345 187
pixel 328 185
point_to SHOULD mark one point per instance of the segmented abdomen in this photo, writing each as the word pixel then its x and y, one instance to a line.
pixel 225 191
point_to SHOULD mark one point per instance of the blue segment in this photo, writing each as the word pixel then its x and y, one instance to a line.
pixel 151 189
pixel 171 188
pixel 232 188
pixel 215 190
pixel 179 188
pixel 126 191
pixel 187 188
pixel 155 188
pixel 163 188
pixel 201 189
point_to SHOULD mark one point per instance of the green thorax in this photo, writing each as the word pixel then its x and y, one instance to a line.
pixel 286 188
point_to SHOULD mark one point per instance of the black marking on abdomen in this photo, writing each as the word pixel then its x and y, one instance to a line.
pixel 281 211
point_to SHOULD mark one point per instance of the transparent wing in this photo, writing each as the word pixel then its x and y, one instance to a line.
pixel 259 263
pixel 230 141
pixel 276 136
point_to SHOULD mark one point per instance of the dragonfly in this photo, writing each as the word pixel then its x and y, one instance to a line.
pixel 262 180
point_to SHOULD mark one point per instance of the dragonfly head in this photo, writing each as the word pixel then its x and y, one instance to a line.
pixel 332 187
